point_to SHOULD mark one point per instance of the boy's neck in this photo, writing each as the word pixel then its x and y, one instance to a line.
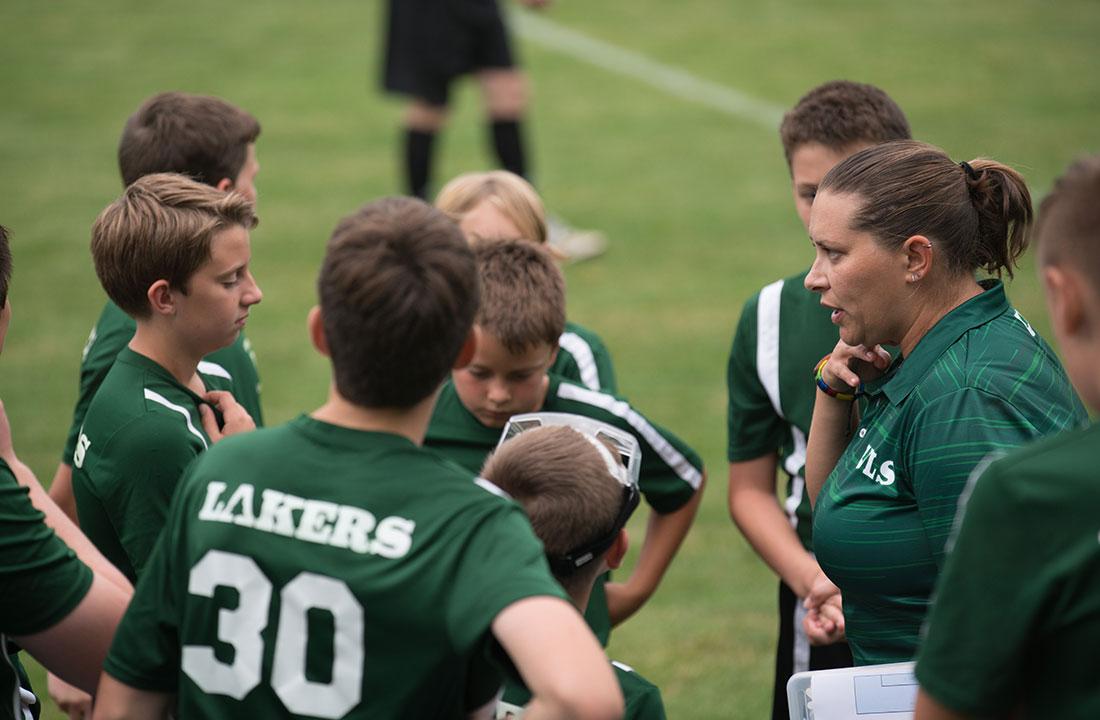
pixel 165 350
pixel 411 422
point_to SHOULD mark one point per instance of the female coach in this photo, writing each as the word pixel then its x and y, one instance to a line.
pixel 900 232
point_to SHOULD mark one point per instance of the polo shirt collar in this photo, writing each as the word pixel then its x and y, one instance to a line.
pixel 136 359
pixel 905 373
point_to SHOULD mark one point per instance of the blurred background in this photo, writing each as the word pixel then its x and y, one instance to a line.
pixel 653 122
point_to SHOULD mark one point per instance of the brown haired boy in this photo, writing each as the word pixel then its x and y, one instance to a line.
pixel 174 255
pixel 384 570
pixel 578 497
pixel 213 142
pixel 517 328
pixel 783 331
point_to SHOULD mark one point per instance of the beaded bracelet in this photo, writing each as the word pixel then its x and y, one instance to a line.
pixel 824 386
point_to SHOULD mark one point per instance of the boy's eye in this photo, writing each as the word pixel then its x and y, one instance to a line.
pixel 478 373
pixel 808 194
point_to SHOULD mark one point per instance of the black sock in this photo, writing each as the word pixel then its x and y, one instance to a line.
pixel 508 143
pixel 418 161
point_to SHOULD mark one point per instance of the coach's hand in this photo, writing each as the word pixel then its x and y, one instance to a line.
pixel 235 419
pixel 824 621
pixel 850 365
pixel 74 702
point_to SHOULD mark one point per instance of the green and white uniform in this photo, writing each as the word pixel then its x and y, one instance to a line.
pixel 311 570
pixel 671 472
pixel 642 698
pixel 980 381
pixel 584 359
pixel 112 332
pixel 141 431
pixel 1015 626
pixel 41 580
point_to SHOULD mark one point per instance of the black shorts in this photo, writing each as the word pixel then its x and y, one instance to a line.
pixel 794 652
pixel 429 43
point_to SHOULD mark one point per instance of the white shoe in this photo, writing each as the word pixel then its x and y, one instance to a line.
pixel 575 245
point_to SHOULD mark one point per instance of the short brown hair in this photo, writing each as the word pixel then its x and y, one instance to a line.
pixel 203 137
pixel 564 486
pixel 978 213
pixel 509 193
pixel 5 266
pixel 522 294
pixel 840 114
pixel 1068 229
pixel 161 228
pixel 398 290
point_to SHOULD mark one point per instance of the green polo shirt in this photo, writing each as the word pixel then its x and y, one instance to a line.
pixel 782 334
pixel 671 472
pixel 584 359
pixel 141 431
pixel 1015 625
pixel 113 331
pixel 980 381
pixel 641 697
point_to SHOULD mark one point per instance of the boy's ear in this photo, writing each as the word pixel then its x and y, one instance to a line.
pixel 161 298
pixel 466 354
pixel 617 551
pixel 225 185
pixel 316 326
pixel 1065 300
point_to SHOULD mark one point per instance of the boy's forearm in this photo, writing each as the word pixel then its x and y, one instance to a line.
pixel 664 534
pixel 757 513
pixel 117 701
pixel 61 491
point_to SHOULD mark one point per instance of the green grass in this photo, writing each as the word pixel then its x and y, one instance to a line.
pixel 696 204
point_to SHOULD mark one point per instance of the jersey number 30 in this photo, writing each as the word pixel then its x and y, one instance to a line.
pixel 241 628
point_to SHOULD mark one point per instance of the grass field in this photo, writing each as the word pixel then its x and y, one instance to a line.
pixel 694 199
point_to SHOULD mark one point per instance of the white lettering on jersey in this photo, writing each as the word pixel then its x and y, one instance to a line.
pixel 882 474
pixel 82 445
pixel 318 521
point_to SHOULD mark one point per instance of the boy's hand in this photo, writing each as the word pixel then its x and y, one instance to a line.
pixel 235 418
pixel 74 702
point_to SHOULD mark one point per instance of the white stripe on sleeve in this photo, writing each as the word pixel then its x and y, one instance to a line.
pixel 581 351
pixel 161 400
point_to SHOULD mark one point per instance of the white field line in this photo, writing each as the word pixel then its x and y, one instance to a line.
pixel 674 81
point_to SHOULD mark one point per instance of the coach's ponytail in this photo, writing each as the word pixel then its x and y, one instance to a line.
pixel 1003 204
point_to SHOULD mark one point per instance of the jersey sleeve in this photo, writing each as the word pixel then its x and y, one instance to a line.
pixel 145 653
pixel 946 441
pixel 41 579
pixel 973 654
pixel 754 428
pixel 502 562
pixel 111 333
pixel 584 358
pixel 136 475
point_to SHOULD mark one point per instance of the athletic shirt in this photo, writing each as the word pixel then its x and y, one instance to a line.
pixel 1015 626
pixel 140 432
pixel 312 570
pixel 41 580
pixel 671 471
pixel 584 359
pixel 641 697
pixel 112 332
pixel 980 381
pixel 782 334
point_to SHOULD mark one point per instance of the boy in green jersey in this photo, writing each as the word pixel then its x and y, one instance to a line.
pixel 59 598
pixel 1015 621
pixel 782 332
pixel 174 254
pixel 578 496
pixel 352 573
pixel 521 317
pixel 211 141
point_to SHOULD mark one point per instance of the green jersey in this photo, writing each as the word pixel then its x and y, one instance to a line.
pixel 783 332
pixel 1015 626
pixel 980 381
pixel 41 580
pixel 141 431
pixel 112 332
pixel 311 570
pixel 642 698
pixel 584 359
pixel 671 471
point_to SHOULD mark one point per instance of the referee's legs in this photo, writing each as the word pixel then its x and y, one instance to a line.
pixel 423 121
pixel 795 654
